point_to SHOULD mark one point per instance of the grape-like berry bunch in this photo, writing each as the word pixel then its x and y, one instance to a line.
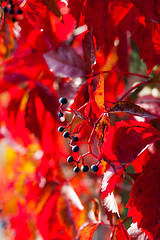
pixel 75 142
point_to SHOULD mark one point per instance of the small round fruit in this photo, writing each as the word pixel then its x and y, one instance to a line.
pixel 84 168
pixel 75 148
pixel 60 114
pixel 70 159
pixel 75 139
pixel 94 168
pixel 76 169
pixel 66 134
pixel 60 129
pixel 63 100
pixel 19 11
pixel 11 11
pixel 5 9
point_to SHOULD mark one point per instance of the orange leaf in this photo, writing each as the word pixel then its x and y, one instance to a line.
pixel 99 94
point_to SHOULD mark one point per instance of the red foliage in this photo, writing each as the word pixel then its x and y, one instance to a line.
pixel 79 52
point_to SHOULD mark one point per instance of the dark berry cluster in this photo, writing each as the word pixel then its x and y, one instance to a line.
pixel 12 8
pixel 74 142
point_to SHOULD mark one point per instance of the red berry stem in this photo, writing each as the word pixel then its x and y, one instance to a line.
pixel 134 87
pixel 119 72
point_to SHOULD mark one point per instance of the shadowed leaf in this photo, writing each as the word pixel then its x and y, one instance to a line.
pixel 65 62
pixel 130 108
pixel 31 119
pixel 48 98
pixel 89 50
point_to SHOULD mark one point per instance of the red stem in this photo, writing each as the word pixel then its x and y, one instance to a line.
pixel 134 87
pixel 119 72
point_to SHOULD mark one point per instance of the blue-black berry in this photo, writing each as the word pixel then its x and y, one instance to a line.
pixel 5 9
pixel 60 114
pixel 60 129
pixel 63 100
pixel 11 11
pixel 19 11
pixel 94 168
pixel 76 169
pixel 66 134
pixel 75 139
pixel 84 168
pixel 70 159
pixel 75 148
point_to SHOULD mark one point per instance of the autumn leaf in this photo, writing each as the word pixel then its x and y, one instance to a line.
pixel 52 6
pixel 86 233
pixel 7 43
pixel 149 9
pixel 65 62
pixel 110 178
pixel 30 117
pixel 146 35
pixel 99 93
pixel 121 232
pixel 131 108
pixel 144 199
pixel 75 8
pixel 100 130
pixel 93 11
pixel 35 12
pixel 48 98
pixel 135 233
pixel 134 135
pixel 89 50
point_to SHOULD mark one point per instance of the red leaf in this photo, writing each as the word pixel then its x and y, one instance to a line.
pixel 30 117
pixel 109 180
pixel 81 97
pixel 149 9
pixel 35 11
pixel 78 127
pixel 65 62
pixel 95 16
pixel 48 98
pixel 52 6
pixel 123 52
pixel 147 37
pixel 89 50
pixel 135 233
pixel 121 232
pixel 75 8
pixel 130 108
pixel 125 141
pixel 86 233
pixel 22 225
pixel 144 202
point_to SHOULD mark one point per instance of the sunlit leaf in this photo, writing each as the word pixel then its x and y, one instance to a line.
pixel 99 94
pixel 121 232
pixel 144 198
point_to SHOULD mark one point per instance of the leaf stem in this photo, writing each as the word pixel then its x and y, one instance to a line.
pixel 134 87
pixel 119 72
